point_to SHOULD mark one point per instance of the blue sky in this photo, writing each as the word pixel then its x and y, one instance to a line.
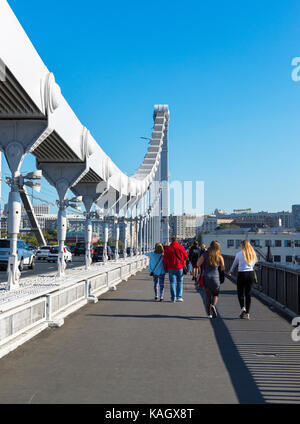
pixel 223 67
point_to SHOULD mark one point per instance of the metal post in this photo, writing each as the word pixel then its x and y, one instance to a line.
pixel 88 241
pixel 61 236
pixel 125 240
pixel 141 235
pixel 131 238
pixel 14 220
pixel 145 234
pixel 117 242
pixel 105 244
pixel 137 236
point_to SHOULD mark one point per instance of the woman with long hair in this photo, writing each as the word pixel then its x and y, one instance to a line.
pixel 212 260
pixel 157 270
pixel 245 259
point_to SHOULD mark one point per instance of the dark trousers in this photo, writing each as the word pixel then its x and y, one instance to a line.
pixel 245 281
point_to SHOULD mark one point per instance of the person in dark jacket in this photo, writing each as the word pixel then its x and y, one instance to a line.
pixel 194 255
pixel 174 260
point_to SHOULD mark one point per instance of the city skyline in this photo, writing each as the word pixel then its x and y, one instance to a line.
pixel 225 72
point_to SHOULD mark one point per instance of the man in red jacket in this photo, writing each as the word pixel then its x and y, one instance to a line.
pixel 174 260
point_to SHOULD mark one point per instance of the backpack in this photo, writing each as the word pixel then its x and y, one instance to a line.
pixel 195 254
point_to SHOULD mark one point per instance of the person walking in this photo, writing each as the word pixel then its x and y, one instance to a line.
pixel 194 255
pixel 245 259
pixel 212 262
pixel 174 260
pixel 157 270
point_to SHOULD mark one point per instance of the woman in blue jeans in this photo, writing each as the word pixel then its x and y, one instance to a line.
pixel 157 270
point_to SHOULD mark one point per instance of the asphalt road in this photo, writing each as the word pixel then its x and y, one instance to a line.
pixel 43 267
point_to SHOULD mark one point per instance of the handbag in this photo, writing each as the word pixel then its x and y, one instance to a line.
pixel 185 271
pixel 221 275
pixel 157 263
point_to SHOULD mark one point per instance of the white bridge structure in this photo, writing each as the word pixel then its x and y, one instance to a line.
pixel 36 119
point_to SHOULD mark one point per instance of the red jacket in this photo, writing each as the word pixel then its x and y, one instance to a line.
pixel 170 260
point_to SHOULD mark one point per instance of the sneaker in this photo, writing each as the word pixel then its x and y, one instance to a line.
pixel 156 298
pixel 210 316
pixel 247 316
pixel 213 311
pixel 161 300
pixel 243 312
pixel 180 299
pixel 173 300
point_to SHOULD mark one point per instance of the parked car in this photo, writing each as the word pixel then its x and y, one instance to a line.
pixel 79 249
pixel 97 256
pixel 128 251
pixel 26 256
pixel 72 249
pixel 53 254
pixel 42 252
pixel 33 248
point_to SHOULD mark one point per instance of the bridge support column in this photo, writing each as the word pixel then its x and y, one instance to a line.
pixel 105 258
pixel 137 236
pixel 125 240
pixel 117 241
pixel 14 219
pixel 131 237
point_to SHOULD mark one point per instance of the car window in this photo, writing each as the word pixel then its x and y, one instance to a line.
pixel 4 244
pixel 45 248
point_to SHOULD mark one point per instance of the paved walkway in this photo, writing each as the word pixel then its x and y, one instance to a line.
pixel 129 349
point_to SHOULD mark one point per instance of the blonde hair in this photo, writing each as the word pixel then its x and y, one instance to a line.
pixel 214 253
pixel 248 252
pixel 159 248
pixel 203 246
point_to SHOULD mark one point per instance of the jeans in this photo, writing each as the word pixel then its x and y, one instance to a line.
pixel 161 280
pixel 176 276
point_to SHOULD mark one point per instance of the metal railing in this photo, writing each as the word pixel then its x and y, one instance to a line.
pixel 279 282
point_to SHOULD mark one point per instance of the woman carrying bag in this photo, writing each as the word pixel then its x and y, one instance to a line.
pixel 157 270
pixel 210 277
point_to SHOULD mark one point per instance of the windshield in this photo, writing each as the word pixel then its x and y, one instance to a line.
pixel 4 244
pixel 54 250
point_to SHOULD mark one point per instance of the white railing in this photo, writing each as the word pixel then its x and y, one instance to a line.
pixel 21 323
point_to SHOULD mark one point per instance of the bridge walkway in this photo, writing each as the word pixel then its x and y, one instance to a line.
pixel 128 348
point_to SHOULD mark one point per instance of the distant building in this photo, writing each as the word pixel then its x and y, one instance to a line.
pixel 284 245
pixel 296 215
pixel 184 226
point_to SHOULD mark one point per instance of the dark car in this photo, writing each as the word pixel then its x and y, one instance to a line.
pixel 97 256
pixel 133 250
pixel 79 249
pixel 72 248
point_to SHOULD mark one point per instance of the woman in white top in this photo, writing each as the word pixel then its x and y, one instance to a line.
pixel 245 259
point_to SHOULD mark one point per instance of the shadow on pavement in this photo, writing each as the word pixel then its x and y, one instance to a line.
pixel 243 382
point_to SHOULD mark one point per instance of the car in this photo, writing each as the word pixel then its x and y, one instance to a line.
pixel 79 248
pixel 26 256
pixel 72 248
pixel 98 254
pixel 53 254
pixel 42 253
pixel 33 248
